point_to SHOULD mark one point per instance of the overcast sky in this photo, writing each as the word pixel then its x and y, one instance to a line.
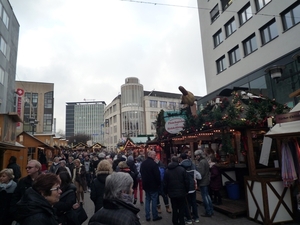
pixel 88 48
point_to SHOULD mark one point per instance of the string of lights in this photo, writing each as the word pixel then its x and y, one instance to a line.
pixel 193 7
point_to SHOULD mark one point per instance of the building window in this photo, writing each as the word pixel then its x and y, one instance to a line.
pixel 214 14
pixel 230 27
pixel 261 3
pixel 268 32
pixel 34 99
pixel 172 105
pixel 245 14
pixel 226 4
pixel 153 103
pixel 163 104
pixel 234 55
pixel 114 108
pixel 47 122
pixel 153 115
pixel 3 46
pixel 218 38
pixel 221 64
pixel 291 16
pixel 48 100
pixel 1 76
pixel 249 45
pixel 5 18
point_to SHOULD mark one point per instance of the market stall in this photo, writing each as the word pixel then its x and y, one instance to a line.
pixel 282 205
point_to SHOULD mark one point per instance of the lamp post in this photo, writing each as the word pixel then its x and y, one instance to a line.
pixel 32 122
pixel 276 72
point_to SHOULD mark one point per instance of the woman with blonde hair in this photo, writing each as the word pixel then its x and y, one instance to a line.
pixel 79 180
pixel 104 169
pixel 7 187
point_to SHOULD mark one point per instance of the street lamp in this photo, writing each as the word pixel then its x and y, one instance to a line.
pixel 275 73
pixel 32 122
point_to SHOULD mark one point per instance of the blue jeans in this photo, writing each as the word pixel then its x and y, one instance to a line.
pixel 206 200
pixel 151 196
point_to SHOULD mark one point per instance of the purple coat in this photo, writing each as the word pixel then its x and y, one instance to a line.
pixel 215 178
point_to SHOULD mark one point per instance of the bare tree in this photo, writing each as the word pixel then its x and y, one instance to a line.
pixel 77 138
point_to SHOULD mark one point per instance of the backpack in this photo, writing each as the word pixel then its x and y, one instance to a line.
pixel 162 173
pixel 138 168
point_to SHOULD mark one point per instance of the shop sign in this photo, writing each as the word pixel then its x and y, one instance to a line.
pixel 174 125
pixel 288 117
pixel 19 92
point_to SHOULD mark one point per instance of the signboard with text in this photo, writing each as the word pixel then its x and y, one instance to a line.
pixel 288 117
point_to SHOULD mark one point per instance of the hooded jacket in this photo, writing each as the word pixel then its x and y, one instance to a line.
pixel 33 208
pixel 176 181
pixel 190 169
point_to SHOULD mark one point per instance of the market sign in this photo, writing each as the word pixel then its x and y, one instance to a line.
pixel 288 117
pixel 175 125
pixel 19 92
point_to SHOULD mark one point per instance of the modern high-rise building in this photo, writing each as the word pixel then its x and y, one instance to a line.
pixel 9 38
pixel 85 118
pixel 134 112
pixel 35 106
pixel 251 44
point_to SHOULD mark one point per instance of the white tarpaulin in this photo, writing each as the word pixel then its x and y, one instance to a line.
pixel 287 128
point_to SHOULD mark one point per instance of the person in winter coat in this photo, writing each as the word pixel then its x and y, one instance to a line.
pixel 151 185
pixel 12 164
pixel 215 182
pixel 97 186
pixel 176 186
pixel 54 165
pixel 36 205
pixel 191 209
pixel 203 168
pixel 7 187
pixel 79 180
pixel 133 169
pixel 117 203
pixel 33 169
pixel 139 186
pixel 67 199
pixel 123 167
pixel 161 192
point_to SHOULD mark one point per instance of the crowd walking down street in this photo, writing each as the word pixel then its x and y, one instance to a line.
pixel 64 196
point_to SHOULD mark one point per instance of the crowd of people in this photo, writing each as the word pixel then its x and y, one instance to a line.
pixel 116 183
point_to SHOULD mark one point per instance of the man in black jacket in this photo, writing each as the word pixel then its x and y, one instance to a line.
pixel 33 169
pixel 176 185
pixel 151 184
pixel 12 164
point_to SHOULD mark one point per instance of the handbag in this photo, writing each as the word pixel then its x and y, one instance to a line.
pixel 76 216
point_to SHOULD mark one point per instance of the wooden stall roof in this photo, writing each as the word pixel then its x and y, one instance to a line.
pixel 8 146
pixel 40 143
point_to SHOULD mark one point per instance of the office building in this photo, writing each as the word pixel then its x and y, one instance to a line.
pixel 35 106
pixel 251 44
pixel 133 113
pixel 87 118
pixel 9 38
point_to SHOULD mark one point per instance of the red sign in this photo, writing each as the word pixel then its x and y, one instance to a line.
pixel 288 117
pixel 20 91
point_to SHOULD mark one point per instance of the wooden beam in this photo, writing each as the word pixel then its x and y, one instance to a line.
pixel 295 93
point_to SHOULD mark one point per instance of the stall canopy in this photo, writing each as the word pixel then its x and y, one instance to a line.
pixel 287 128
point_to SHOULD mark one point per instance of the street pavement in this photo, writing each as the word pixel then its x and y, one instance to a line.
pixel 217 219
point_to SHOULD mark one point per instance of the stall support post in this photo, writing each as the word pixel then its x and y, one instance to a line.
pixel 250 154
